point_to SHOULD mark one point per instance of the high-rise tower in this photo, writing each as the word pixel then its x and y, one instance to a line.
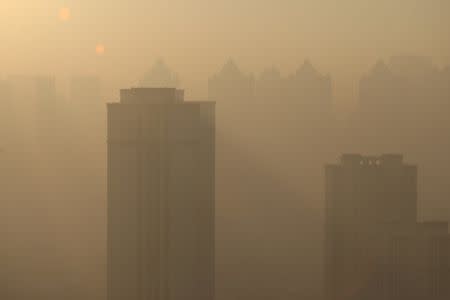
pixel 160 196
pixel 375 248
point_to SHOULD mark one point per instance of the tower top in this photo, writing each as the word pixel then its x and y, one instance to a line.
pixel 151 96
pixel 382 160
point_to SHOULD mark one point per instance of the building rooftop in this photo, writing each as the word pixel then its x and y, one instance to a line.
pixel 151 96
pixel 382 160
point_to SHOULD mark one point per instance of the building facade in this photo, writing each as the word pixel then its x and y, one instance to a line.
pixel 160 196
pixel 375 248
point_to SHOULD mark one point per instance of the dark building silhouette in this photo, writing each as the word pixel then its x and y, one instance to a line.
pixel 374 247
pixel 160 196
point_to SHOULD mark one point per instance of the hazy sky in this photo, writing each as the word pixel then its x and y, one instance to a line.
pixel 195 37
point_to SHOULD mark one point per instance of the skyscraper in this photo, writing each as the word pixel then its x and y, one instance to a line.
pixel 160 75
pixel 231 86
pixel 160 196
pixel 309 91
pixel 375 249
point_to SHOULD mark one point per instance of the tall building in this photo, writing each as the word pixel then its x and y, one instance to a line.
pixel 160 76
pixel 231 86
pixel 375 249
pixel 161 162
pixel 406 97
pixel 407 100
pixel 270 87
pixel 310 91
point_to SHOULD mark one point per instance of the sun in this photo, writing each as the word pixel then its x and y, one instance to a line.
pixel 100 49
pixel 64 14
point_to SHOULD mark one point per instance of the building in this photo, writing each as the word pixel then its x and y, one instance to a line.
pixel 407 97
pixel 375 248
pixel 419 263
pixel 231 86
pixel 310 92
pixel 160 76
pixel 161 162
pixel 270 87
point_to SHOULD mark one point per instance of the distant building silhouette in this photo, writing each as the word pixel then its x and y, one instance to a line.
pixel 378 89
pixel 400 90
pixel 160 76
pixel 231 86
pixel 161 161
pixel 304 94
pixel 404 106
pixel 309 90
pixel 270 86
pixel 264 125
pixel 375 249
